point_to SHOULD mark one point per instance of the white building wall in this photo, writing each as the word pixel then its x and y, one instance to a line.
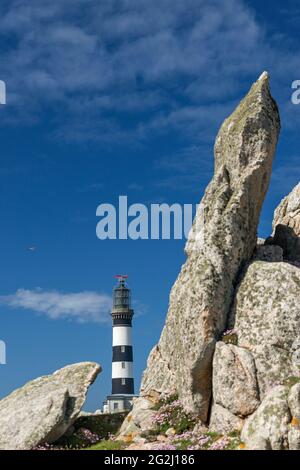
pixel 106 408
pixel 118 408
pixel 118 405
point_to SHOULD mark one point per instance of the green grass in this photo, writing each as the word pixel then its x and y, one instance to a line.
pixel 292 380
pixel 107 445
pixel 183 444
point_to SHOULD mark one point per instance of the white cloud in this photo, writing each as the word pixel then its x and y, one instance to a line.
pixel 135 56
pixel 119 53
pixel 80 306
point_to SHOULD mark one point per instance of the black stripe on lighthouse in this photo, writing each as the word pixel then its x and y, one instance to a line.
pixel 122 321
pixel 122 386
pixel 122 354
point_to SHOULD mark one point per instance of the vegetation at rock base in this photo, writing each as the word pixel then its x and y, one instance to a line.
pixel 188 440
pixel 171 414
pixel 291 380
pixel 107 444
pixel 173 429
pixel 84 439
pixel 81 438
pixel 230 337
pixel 206 440
pixel 186 433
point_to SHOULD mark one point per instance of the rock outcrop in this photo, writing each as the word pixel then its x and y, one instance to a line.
pixel 43 409
pixel 222 240
pixel 275 424
pixel 267 428
pixel 286 226
pixel 235 385
pixel 265 315
pixel 140 419
pixel 223 421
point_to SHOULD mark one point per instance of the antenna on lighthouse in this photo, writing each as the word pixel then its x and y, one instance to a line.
pixel 121 278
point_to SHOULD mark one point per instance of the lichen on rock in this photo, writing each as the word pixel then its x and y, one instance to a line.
pixel 266 314
pixel 267 428
pixel 235 385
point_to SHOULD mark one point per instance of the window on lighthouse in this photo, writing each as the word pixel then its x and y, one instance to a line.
pixel 123 381
pixel 122 349
pixel 123 365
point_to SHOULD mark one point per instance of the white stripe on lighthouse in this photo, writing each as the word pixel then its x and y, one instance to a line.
pixel 122 336
pixel 122 370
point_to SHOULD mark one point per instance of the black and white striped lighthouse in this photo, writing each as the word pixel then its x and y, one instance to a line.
pixel 122 353
pixel 122 360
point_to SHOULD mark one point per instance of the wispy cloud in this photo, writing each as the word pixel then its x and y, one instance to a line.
pixel 126 57
pixel 126 69
pixel 82 307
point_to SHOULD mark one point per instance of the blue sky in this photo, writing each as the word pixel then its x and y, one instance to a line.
pixel 110 98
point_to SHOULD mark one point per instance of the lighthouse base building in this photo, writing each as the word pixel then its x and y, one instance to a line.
pixel 117 403
pixel 122 354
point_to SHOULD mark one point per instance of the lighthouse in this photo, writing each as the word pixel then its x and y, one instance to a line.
pixel 122 390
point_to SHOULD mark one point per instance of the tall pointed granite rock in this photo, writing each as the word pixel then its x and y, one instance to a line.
pixel 222 239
